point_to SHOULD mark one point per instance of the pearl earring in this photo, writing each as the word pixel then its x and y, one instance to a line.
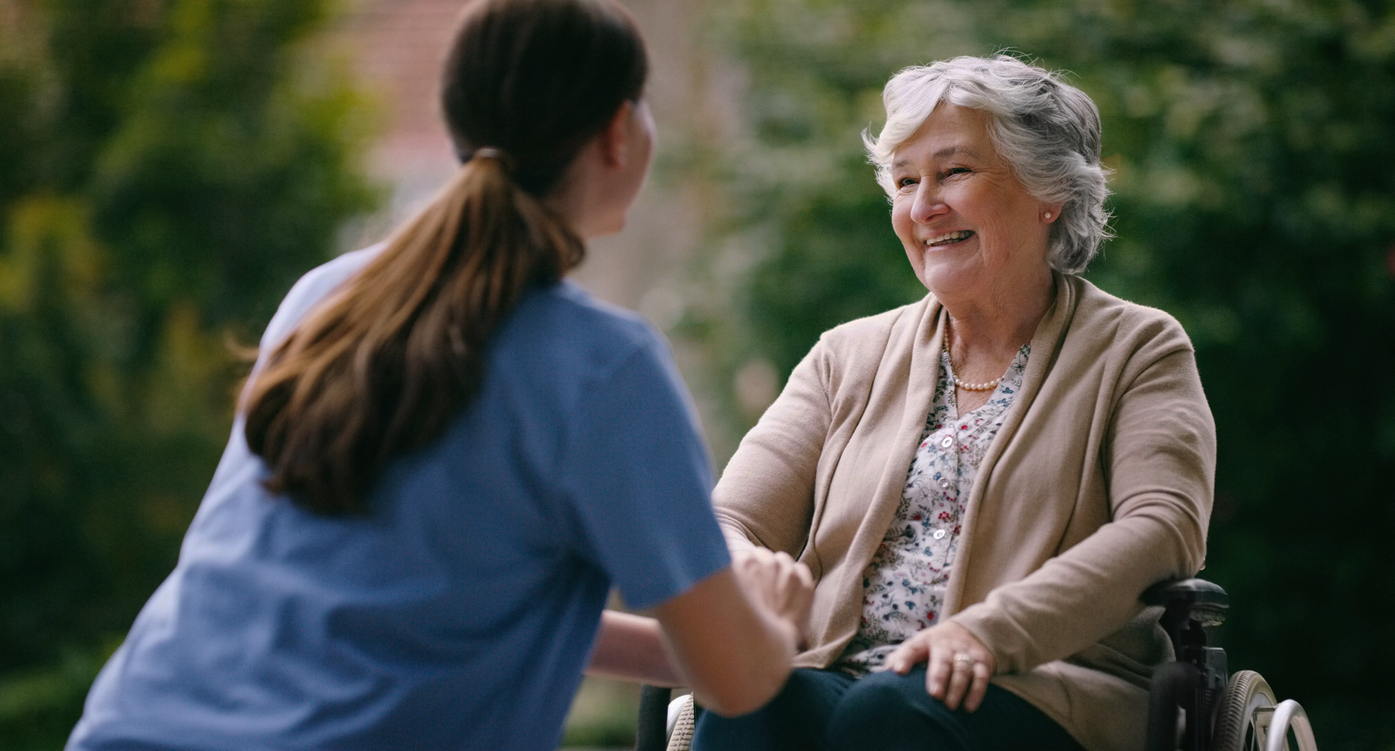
pixel 1047 216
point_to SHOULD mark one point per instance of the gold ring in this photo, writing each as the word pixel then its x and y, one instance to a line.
pixel 964 658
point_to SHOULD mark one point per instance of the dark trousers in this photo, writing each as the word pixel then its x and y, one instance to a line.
pixel 826 710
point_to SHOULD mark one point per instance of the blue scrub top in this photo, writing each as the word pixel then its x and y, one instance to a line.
pixel 460 613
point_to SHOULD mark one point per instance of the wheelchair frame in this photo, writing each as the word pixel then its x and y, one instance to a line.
pixel 1195 703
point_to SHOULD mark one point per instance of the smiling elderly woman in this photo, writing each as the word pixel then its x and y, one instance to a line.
pixel 983 482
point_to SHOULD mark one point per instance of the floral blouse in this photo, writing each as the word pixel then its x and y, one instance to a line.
pixel 904 585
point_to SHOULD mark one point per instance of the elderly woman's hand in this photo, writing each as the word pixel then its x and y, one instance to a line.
pixel 959 665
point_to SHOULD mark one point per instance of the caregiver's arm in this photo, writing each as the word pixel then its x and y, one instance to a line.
pixel 631 648
pixel 734 634
pixel 730 637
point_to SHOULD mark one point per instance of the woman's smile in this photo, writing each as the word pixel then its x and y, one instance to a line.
pixel 949 238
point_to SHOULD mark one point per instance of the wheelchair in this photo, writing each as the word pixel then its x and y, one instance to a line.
pixel 1195 703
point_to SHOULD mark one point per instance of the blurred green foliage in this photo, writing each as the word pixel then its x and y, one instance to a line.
pixel 1254 149
pixel 168 168
pixel 602 715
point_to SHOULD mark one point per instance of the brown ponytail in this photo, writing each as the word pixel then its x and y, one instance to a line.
pixel 385 364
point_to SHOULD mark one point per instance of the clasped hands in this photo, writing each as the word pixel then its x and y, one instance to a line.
pixel 782 585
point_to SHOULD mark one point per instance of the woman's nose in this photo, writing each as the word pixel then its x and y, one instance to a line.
pixel 929 203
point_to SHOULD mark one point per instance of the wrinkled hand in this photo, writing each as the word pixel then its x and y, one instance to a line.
pixel 959 665
pixel 775 580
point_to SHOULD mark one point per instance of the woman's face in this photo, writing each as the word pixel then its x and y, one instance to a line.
pixel 638 148
pixel 969 228
pixel 596 192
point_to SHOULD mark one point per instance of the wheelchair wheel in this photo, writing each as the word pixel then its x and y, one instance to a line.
pixel 1174 689
pixel 680 737
pixel 1236 727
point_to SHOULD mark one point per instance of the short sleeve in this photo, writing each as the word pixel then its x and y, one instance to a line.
pixel 638 478
pixel 312 288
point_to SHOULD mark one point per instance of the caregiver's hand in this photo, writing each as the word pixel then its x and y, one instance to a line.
pixel 959 665
pixel 784 586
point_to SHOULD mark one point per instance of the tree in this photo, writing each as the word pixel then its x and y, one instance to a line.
pixel 169 168
pixel 1254 149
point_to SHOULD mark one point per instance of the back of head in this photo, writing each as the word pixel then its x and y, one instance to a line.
pixel 537 78
pixel 1047 130
pixel 385 363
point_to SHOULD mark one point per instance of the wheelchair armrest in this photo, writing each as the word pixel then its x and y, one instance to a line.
pixel 1193 593
pixel 1195 599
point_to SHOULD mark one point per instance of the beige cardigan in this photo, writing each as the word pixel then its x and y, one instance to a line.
pixel 1098 484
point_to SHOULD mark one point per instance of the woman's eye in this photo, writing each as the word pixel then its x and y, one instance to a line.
pixel 905 182
pixel 956 171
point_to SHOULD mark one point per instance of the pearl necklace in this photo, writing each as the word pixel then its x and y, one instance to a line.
pixel 985 386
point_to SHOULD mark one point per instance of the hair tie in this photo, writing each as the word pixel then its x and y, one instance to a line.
pixel 498 155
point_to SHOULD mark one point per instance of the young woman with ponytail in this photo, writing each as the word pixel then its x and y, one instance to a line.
pixel 446 456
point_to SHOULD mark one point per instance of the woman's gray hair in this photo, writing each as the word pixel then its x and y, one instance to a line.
pixel 1045 129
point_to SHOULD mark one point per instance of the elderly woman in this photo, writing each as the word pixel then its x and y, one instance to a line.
pixel 983 482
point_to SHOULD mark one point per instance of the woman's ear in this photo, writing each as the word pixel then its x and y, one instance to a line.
pixel 615 138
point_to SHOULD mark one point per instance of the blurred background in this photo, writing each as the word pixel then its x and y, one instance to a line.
pixel 169 167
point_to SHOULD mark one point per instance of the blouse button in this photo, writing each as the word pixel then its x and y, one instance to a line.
pixel 947 441
pixel 944 484
pixel 939 534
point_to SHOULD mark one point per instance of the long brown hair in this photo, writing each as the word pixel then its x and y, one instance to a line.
pixel 384 364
